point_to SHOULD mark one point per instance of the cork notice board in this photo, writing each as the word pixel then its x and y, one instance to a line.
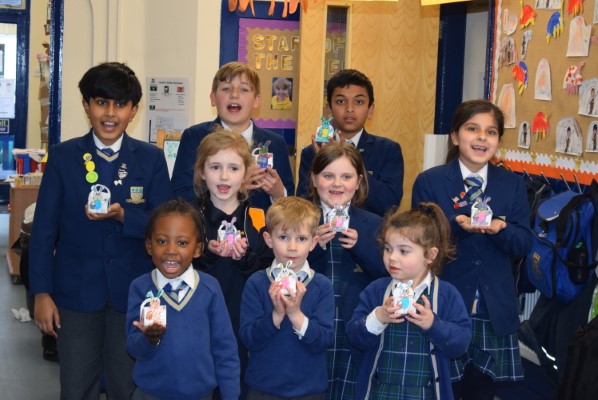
pixel 544 76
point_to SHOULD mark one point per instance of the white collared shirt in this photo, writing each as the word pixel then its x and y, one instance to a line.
pixel 247 133
pixel 355 139
pixel 188 277
pixel 114 146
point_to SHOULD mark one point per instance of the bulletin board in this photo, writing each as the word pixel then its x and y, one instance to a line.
pixel 544 76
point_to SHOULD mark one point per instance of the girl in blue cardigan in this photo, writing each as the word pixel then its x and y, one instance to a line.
pixel 410 324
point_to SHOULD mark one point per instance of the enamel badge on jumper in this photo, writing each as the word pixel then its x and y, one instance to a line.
pixel 151 311
pixel 98 200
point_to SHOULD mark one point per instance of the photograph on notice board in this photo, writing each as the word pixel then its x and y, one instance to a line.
pixel 524 138
pixel 587 97
pixel 592 141
pixel 568 137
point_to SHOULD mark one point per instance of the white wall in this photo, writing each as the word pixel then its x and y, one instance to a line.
pixel 475 53
pixel 154 37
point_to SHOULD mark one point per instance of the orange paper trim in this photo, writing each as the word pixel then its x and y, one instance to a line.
pixel 584 178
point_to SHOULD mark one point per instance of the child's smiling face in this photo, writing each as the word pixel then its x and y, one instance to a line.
pixel 173 244
pixel 337 182
pixel 109 118
pixel 350 109
pixel 477 140
pixel 235 100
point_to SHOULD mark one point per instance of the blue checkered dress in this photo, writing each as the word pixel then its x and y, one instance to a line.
pixel 496 356
pixel 403 370
pixel 341 368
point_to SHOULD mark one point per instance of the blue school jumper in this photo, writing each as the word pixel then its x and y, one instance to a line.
pixel 483 262
pixel 281 363
pixel 399 362
pixel 182 175
pixel 350 271
pixel 197 353
pixel 383 161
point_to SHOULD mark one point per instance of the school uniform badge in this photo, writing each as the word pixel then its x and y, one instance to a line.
pixel 136 193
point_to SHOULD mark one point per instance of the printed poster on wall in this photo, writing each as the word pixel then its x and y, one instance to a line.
pixel 271 47
pixel 167 106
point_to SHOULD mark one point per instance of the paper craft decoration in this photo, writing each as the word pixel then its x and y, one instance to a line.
pixel 403 296
pixel 548 4
pixel 98 200
pixel 338 217
pixel 520 75
pixel 506 102
pixel 592 141
pixel 543 87
pixel 528 15
pixel 525 39
pixel 509 22
pixel 524 137
pixel 579 38
pixel 289 7
pixel 568 137
pixel 555 26
pixel 540 126
pixel 227 232
pixel 575 7
pixel 151 311
pixel 506 55
pixel 588 104
pixel 573 79
pixel 286 277
pixel 481 213
pixel 263 158
pixel 324 131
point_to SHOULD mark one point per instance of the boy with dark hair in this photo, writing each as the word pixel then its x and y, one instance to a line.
pixel 350 96
pixel 86 251
pixel 235 94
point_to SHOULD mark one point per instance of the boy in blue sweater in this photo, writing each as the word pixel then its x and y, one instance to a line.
pixel 195 351
pixel 287 311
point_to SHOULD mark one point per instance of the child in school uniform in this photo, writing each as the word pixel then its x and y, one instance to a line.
pixel 350 102
pixel 287 329
pixel 410 324
pixel 195 351
pixel 346 252
pixel 482 269
pixel 85 254
pixel 235 94
pixel 235 245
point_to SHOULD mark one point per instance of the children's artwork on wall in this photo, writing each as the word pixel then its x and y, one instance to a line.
pixel 543 87
pixel 587 97
pixel 574 7
pixel 520 75
pixel 579 38
pixel 555 26
pixel 540 126
pixel 592 138
pixel 595 20
pixel 568 137
pixel 528 15
pixel 506 102
pixel 524 137
pixel 526 36
pixel 548 4
pixel 573 79
pixel 509 22
pixel 507 52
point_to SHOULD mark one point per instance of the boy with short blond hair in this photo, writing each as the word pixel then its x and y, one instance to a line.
pixel 285 327
pixel 235 94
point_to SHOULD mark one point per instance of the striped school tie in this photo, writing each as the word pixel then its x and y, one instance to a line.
pixel 174 293
pixel 474 184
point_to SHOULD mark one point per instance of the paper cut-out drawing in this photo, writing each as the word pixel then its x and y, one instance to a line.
pixel 588 104
pixel 573 79
pixel 528 15
pixel 540 126
pixel 520 75
pixel 506 54
pixel 568 137
pixel 509 22
pixel 506 102
pixel 543 87
pixel 592 141
pixel 555 25
pixel 525 136
pixel 525 39
pixel 579 38
pixel 548 4
pixel 574 7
